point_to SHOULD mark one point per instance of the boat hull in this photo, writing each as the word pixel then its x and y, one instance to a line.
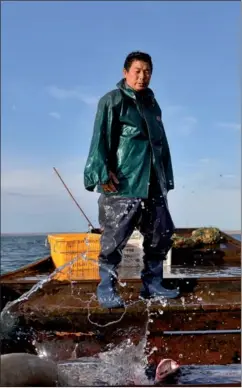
pixel 202 326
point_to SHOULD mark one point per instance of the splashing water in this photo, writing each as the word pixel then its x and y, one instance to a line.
pixel 6 312
pixel 7 318
pixel 9 321
pixel 123 365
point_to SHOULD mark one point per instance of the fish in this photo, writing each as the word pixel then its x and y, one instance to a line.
pixel 166 368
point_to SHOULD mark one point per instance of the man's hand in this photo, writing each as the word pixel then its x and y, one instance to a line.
pixel 110 186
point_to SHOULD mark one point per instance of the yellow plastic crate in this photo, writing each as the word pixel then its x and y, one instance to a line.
pixel 83 248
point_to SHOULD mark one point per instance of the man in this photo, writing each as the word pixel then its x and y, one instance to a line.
pixel 129 162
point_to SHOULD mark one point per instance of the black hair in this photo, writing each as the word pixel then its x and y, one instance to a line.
pixel 137 56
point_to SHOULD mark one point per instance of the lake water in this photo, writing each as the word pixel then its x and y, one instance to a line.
pixel 17 251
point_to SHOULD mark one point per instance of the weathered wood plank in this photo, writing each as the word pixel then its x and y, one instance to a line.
pixel 200 349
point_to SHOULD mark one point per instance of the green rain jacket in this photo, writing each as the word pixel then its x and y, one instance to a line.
pixel 129 139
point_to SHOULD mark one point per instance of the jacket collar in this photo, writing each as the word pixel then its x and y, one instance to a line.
pixel 145 95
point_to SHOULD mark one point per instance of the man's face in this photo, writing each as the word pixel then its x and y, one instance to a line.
pixel 138 76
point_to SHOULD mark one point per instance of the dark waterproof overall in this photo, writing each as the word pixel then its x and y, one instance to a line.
pixel 145 176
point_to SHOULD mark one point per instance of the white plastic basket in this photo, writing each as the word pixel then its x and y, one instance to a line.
pixel 133 252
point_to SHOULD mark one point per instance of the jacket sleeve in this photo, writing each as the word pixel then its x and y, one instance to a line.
pixel 96 170
pixel 166 158
pixel 168 165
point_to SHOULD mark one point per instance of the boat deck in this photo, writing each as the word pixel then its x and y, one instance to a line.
pixel 204 321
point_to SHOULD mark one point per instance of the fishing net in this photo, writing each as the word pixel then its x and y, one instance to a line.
pixel 200 236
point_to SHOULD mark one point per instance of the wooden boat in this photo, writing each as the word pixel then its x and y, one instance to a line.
pixel 202 326
pixel 226 254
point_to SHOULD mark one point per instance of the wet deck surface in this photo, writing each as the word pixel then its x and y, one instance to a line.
pixel 185 272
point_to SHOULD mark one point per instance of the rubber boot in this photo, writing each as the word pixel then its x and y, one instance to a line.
pixel 151 277
pixel 106 291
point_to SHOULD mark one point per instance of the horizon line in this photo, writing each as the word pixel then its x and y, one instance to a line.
pixel 228 231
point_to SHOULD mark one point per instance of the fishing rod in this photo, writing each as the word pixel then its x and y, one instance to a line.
pixel 77 204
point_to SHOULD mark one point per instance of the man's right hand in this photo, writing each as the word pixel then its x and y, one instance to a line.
pixel 110 186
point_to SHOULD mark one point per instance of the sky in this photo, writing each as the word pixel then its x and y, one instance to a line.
pixel 59 58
